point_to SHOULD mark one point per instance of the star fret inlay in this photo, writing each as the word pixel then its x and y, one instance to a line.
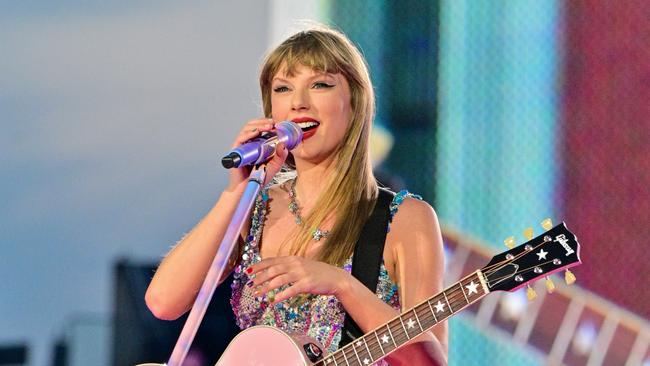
pixel 440 307
pixel 410 323
pixel 472 288
pixel 384 338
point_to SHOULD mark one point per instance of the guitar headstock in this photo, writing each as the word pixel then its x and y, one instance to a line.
pixel 554 250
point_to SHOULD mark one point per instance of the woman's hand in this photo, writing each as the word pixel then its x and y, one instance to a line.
pixel 305 276
pixel 251 130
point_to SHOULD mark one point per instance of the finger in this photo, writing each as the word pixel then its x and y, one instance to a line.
pixel 247 135
pixel 268 262
pixel 273 284
pixel 258 125
pixel 276 162
pixel 252 129
pixel 270 273
pixel 288 293
pixel 274 165
pixel 259 122
pixel 281 152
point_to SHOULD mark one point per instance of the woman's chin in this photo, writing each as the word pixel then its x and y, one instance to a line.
pixel 311 156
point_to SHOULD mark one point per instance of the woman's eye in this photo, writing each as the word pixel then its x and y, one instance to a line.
pixel 322 85
pixel 280 89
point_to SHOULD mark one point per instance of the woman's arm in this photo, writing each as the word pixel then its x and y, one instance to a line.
pixel 179 277
pixel 416 246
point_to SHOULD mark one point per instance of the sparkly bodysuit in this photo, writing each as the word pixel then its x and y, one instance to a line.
pixel 321 316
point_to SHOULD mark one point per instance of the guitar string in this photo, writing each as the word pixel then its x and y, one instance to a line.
pixel 519 272
pixel 455 298
pixel 451 299
pixel 487 269
pixel 456 302
pixel 375 348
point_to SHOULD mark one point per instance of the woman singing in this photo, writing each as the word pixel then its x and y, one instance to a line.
pixel 293 269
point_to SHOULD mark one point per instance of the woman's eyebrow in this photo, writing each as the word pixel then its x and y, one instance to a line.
pixel 316 75
pixel 322 74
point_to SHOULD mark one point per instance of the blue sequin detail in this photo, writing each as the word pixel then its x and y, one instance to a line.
pixel 320 317
pixel 397 200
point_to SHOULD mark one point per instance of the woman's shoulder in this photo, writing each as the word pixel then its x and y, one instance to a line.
pixel 406 207
pixel 412 217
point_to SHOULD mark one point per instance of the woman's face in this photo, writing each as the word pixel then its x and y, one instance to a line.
pixel 319 103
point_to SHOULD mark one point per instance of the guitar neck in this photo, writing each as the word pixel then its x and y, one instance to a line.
pixel 410 324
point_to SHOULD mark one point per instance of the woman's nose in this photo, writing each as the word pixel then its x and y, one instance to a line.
pixel 300 100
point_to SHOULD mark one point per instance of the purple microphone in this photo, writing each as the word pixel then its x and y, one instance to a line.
pixel 262 148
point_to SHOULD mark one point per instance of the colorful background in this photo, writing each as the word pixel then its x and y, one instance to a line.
pixel 114 116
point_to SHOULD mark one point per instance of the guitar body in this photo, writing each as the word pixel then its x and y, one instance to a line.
pixel 268 346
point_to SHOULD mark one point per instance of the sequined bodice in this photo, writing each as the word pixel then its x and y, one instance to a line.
pixel 320 316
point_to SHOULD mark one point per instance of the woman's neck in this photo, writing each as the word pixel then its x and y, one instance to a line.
pixel 312 180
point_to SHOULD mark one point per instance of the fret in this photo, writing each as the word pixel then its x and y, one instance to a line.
pixel 360 352
pixel 432 312
pixel 451 310
pixel 403 327
pixel 372 348
pixel 345 357
pixel 427 317
pixel 391 335
pixel 331 358
pixel 379 343
pixel 372 359
pixel 400 335
pixel 417 318
pixel 356 354
pixel 409 325
pixel 463 290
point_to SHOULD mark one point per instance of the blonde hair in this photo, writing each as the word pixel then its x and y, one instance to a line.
pixel 351 190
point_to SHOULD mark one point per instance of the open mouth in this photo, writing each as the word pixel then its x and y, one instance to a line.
pixel 308 125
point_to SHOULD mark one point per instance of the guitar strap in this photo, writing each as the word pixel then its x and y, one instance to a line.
pixel 368 255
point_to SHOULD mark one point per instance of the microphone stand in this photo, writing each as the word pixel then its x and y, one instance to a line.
pixel 218 266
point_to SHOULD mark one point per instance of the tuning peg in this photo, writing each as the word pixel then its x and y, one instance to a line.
pixel 531 294
pixel 509 242
pixel 528 233
pixel 569 277
pixel 550 286
pixel 547 224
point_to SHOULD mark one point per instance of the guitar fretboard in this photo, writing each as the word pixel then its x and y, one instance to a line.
pixel 385 339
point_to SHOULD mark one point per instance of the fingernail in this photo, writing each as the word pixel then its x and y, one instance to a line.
pixel 249 270
pixel 249 283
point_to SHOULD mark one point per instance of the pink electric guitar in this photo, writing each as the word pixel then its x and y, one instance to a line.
pixel 555 250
